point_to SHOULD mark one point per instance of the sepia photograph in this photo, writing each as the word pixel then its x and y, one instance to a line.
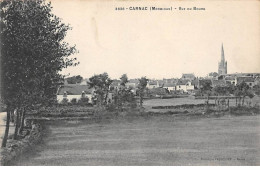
pixel 130 83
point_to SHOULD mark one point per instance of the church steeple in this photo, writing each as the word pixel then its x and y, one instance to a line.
pixel 222 54
pixel 222 65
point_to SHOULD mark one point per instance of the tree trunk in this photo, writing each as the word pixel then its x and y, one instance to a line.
pixel 243 100
pixel 236 101
pixel 6 128
pixel 141 100
pixel 22 121
pixel 12 116
pixel 17 124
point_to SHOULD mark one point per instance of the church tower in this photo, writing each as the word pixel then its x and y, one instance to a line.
pixel 222 65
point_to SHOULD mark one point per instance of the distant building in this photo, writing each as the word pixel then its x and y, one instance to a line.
pixel 169 86
pixel 250 81
pixel 230 80
pixel 76 91
pixel 184 85
pixel 188 76
pixel 153 84
pixel 222 65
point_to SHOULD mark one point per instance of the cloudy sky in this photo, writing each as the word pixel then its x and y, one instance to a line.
pixel 161 44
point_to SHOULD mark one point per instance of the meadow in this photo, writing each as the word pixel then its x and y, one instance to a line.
pixel 153 140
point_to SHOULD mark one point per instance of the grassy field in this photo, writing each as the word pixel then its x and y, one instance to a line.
pixel 160 140
pixel 187 100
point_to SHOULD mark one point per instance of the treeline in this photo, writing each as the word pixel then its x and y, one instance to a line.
pixel 240 91
pixel 33 52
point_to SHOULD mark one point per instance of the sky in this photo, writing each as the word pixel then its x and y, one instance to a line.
pixel 161 44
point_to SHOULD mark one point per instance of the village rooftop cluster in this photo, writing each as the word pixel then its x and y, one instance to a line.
pixel 187 85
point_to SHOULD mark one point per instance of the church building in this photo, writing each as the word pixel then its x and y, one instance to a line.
pixel 222 65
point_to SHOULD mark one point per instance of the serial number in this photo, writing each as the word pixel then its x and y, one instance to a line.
pixel 120 8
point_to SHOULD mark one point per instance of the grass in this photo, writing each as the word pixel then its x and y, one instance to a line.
pixel 160 140
pixel 148 104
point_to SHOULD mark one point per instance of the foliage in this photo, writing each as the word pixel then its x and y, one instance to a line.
pixel 141 89
pixel 123 96
pixel 205 87
pixel 223 90
pixel 242 90
pixel 101 85
pixel 256 89
pixel 124 80
pixel 73 101
pixel 158 91
pixel 32 53
pixel 74 79
pixel 83 101
pixel 64 101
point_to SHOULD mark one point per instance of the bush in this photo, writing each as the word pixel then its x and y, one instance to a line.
pixel 111 107
pixel 64 101
pixel 131 105
pixel 243 110
pixel 73 101
pixel 83 101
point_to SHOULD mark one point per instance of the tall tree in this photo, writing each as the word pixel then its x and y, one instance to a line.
pixel 123 95
pixel 101 84
pixel 205 88
pixel 141 89
pixel 33 52
pixel 242 90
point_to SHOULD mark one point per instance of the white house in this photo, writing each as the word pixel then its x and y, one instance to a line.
pixel 169 86
pixel 76 91
pixel 185 86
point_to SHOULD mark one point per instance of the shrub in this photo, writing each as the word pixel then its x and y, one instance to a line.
pixel 83 101
pixel 64 101
pixel 111 107
pixel 73 101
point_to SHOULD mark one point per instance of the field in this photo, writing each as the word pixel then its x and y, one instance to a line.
pixel 179 101
pixel 160 140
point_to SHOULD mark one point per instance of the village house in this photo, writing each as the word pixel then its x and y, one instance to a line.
pixel 230 80
pixel 170 86
pixel 152 84
pixel 76 91
pixel 185 86
pixel 188 76
pixel 250 81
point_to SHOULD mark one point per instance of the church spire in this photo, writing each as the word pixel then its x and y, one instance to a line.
pixel 222 54
pixel 222 66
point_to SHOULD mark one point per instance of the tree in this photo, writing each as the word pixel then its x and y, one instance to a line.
pixel 141 89
pixel 242 90
pixel 101 84
pixel 74 79
pixel 205 88
pixel 123 80
pixel 123 95
pixel 32 55
pixel 256 89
